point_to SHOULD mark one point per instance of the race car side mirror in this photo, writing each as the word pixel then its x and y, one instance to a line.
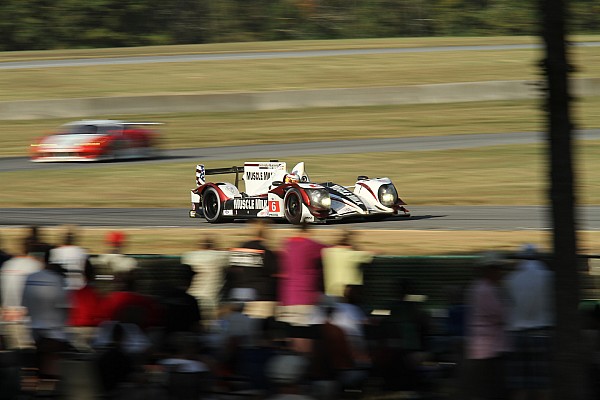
pixel 276 183
pixel 362 178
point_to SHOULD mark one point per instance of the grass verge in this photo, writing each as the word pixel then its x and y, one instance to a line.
pixel 494 175
pixel 286 126
pixel 283 73
pixel 174 241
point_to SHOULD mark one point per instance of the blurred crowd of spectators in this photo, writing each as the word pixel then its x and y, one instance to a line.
pixel 253 322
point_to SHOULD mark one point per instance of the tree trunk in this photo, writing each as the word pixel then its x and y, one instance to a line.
pixel 568 382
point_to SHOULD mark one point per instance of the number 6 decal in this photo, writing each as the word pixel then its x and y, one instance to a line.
pixel 274 206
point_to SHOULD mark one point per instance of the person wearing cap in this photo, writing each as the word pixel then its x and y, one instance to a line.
pixel 486 340
pixel 530 323
pixel 114 261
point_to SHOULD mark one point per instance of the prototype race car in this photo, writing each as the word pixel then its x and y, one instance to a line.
pixel 272 192
pixel 96 140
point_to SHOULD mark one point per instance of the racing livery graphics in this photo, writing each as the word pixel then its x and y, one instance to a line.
pixel 97 140
pixel 272 192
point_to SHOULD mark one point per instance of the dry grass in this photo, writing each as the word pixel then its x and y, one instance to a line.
pixel 174 241
pixel 495 175
pixel 285 126
pixel 282 74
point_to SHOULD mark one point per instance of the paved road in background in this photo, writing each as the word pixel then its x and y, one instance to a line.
pixel 281 151
pixel 84 62
pixel 423 217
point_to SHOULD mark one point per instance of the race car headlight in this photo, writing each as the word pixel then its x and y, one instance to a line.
pixel 388 195
pixel 319 198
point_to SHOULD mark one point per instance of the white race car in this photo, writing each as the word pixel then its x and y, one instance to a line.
pixel 272 192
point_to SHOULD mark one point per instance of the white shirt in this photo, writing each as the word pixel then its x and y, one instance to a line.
pixel 12 279
pixel 72 258
pixel 209 266
pixel 529 291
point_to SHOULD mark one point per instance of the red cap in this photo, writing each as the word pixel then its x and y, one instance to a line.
pixel 115 238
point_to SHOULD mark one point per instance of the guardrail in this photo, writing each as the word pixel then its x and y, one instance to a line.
pixel 289 99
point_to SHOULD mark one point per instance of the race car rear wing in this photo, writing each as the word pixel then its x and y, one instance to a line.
pixel 201 173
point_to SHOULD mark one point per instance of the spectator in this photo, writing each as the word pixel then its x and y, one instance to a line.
pixel 287 371
pixel 342 265
pixel 209 264
pixel 252 265
pixel 486 341
pixel 182 313
pixel 114 260
pixel 348 315
pixel 301 281
pixel 72 258
pixel 126 305
pixel 238 333
pixel 333 367
pixel 403 341
pixel 34 238
pixel 4 256
pixel 47 305
pixel 137 315
pixel 84 315
pixel 530 321
pixel 13 275
pixel 115 364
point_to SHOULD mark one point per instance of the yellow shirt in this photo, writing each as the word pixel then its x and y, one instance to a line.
pixel 341 267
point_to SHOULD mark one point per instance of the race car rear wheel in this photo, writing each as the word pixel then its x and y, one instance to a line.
pixel 293 206
pixel 211 205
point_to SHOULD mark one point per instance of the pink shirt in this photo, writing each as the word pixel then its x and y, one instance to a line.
pixel 486 322
pixel 301 272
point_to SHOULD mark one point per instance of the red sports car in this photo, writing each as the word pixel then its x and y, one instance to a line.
pixel 96 140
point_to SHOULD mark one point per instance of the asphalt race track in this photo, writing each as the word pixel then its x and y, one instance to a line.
pixel 281 151
pixel 423 217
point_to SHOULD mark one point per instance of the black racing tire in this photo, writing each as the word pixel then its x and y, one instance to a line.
pixel 292 203
pixel 212 205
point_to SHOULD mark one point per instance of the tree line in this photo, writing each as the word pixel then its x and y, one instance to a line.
pixel 60 24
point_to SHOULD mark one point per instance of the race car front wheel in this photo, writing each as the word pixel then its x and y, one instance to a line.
pixel 293 206
pixel 211 205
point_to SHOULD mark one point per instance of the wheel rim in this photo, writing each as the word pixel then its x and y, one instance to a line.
pixel 294 206
pixel 211 205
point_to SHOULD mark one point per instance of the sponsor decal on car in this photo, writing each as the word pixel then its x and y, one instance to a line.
pixel 342 192
pixel 257 175
pixel 249 204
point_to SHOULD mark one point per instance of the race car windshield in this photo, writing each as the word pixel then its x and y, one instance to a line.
pixel 89 129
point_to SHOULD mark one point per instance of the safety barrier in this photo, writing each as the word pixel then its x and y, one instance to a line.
pixel 432 277
pixel 286 99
